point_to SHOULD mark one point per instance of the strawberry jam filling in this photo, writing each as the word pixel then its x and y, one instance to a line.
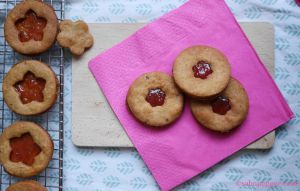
pixel 202 69
pixel 31 27
pixel 30 88
pixel 156 97
pixel 24 149
pixel 221 105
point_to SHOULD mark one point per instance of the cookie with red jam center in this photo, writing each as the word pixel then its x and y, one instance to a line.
pixel 25 149
pixel 31 27
pixel 224 112
pixel 201 72
pixel 30 87
pixel 154 99
pixel 27 185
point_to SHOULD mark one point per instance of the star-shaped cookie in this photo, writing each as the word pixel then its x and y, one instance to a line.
pixel 75 36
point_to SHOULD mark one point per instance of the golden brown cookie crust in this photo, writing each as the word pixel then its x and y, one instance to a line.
pixel 75 36
pixel 28 185
pixel 196 87
pixel 238 97
pixel 40 137
pixel 16 73
pixel 159 115
pixel 50 31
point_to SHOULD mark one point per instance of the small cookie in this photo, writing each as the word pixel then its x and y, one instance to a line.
pixel 28 185
pixel 224 112
pixel 25 149
pixel 75 36
pixel 30 88
pixel 201 71
pixel 154 99
pixel 31 27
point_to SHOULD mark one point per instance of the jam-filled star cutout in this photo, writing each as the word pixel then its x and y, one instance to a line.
pixel 30 88
pixel 31 27
pixel 221 105
pixel 202 69
pixel 156 97
pixel 24 149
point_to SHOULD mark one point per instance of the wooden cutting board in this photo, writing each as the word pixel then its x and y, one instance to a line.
pixel 93 121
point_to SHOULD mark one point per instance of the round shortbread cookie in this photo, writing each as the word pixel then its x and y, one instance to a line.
pixel 154 99
pixel 224 112
pixel 201 72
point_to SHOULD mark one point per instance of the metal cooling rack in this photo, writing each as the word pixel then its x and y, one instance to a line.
pixel 52 121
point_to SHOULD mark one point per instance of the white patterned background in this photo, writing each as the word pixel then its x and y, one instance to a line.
pixel 114 169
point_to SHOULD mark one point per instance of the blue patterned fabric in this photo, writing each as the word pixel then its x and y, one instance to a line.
pixel 122 169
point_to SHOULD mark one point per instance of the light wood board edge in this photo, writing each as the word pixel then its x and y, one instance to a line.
pixel 263 143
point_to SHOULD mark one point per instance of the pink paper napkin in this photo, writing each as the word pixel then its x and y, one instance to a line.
pixel 184 149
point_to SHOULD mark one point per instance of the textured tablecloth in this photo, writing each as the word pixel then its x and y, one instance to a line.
pixel 277 169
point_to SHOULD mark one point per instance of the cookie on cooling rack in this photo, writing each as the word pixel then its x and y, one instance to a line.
pixel 30 87
pixel 201 71
pixel 25 149
pixel 226 111
pixel 31 27
pixel 154 99
pixel 28 185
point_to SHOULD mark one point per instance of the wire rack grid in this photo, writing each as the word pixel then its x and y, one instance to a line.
pixel 52 121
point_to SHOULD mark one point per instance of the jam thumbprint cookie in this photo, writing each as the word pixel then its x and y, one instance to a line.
pixel 224 112
pixel 28 185
pixel 25 149
pixel 154 99
pixel 30 87
pixel 201 72
pixel 31 27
